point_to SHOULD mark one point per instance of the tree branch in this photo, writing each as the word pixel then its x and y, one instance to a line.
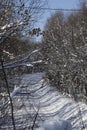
pixel 8 91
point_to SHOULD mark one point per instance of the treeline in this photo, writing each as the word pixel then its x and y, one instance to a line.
pixel 65 52
pixel 15 47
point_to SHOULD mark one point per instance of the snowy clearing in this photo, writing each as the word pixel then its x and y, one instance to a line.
pixel 56 111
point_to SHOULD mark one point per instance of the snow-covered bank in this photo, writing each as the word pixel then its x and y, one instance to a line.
pixel 56 111
pixel 55 124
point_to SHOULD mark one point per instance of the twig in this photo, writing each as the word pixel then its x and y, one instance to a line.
pixel 8 91
pixel 35 118
pixel 80 114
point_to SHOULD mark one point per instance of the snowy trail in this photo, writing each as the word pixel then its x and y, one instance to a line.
pixel 53 105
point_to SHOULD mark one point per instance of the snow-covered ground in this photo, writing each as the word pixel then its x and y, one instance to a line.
pixel 55 111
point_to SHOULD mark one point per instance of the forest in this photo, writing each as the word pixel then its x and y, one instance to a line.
pixel 43 84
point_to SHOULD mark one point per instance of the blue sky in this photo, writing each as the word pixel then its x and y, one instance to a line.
pixel 56 4
pixel 63 3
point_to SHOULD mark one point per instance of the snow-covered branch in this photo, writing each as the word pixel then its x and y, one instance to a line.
pixel 16 63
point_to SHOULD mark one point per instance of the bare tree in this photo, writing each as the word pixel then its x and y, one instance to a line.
pixel 17 19
pixel 65 53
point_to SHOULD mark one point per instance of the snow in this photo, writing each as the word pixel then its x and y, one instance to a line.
pixel 59 111
pixel 36 62
pixel 16 63
pixel 15 91
pixel 18 23
pixel 55 124
pixel 56 111
pixel 7 26
pixel 9 54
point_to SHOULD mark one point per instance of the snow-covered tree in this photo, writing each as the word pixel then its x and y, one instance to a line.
pixel 65 53
pixel 17 18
